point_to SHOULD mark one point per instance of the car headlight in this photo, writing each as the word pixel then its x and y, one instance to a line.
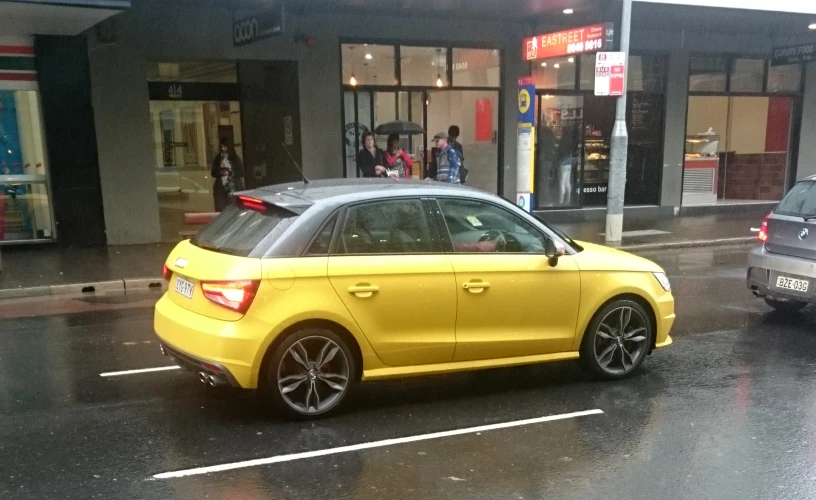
pixel 663 280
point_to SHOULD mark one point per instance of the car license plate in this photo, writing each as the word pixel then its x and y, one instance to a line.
pixel 793 284
pixel 184 287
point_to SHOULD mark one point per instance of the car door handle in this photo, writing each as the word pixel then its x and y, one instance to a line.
pixel 476 286
pixel 363 291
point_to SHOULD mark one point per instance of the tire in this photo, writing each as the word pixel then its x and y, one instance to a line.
pixel 603 350
pixel 290 377
pixel 786 306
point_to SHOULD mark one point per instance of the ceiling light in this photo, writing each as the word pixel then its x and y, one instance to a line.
pixel 352 81
pixel 439 81
pixel 571 59
pixel 556 65
pixel 812 26
pixel 568 11
pixel 369 57
pixel 543 65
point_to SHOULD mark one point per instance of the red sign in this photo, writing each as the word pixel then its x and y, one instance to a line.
pixel 583 40
pixel 616 76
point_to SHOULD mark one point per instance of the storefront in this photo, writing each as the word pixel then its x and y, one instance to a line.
pixel 574 126
pixel 740 123
pixel 433 86
pixel 25 199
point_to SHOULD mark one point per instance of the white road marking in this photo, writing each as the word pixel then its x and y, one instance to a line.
pixel 373 444
pixel 143 370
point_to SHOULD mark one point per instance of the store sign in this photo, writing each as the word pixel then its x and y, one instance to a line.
pixel 193 91
pixel 253 28
pixel 523 202
pixel 582 40
pixel 610 74
pixel 794 54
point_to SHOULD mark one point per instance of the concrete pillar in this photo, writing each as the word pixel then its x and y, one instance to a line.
pixel 675 129
pixel 807 146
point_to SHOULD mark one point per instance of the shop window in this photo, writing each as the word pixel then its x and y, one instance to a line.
pixel 557 73
pixel 192 71
pixel 785 78
pixel 25 205
pixel 587 72
pixel 708 74
pixel 736 148
pixel 424 66
pixel 368 64
pixel 476 68
pixel 747 75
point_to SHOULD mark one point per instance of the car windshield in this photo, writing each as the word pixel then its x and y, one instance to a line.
pixel 800 201
pixel 239 230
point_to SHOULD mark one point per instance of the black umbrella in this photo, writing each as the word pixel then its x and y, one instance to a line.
pixel 399 127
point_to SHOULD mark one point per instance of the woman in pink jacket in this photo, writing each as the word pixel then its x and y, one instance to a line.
pixel 397 161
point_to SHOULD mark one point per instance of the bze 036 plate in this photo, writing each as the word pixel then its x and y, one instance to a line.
pixel 184 287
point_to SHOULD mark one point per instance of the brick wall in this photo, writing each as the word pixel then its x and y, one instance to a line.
pixel 752 176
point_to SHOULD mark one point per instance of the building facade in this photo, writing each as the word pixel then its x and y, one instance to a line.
pixel 114 111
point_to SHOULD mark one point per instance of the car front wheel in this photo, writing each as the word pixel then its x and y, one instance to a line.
pixel 311 373
pixel 617 340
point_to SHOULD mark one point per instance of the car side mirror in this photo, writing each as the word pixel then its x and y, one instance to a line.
pixel 555 250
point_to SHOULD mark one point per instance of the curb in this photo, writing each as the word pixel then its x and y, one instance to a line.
pixel 672 245
pixel 149 284
pixel 123 285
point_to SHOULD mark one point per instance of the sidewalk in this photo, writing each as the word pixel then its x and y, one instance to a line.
pixel 48 270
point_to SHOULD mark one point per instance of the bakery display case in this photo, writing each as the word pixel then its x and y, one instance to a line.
pixel 700 169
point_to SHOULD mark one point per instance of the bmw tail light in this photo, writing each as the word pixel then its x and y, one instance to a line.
pixel 763 229
pixel 235 295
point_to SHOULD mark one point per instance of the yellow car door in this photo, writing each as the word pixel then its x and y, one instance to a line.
pixel 512 299
pixel 396 282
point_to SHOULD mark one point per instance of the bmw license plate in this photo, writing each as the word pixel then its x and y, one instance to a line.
pixel 184 287
pixel 792 284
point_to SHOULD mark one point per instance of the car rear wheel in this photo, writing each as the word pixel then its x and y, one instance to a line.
pixel 310 374
pixel 617 341
pixel 786 306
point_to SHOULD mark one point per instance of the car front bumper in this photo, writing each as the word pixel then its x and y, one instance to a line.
pixel 764 266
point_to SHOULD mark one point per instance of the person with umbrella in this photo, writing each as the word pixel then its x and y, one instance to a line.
pixel 397 162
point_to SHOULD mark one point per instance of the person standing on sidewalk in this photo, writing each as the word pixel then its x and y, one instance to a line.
pixel 370 159
pixel 398 163
pixel 448 161
pixel 453 140
pixel 228 174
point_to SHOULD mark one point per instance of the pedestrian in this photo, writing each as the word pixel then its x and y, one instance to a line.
pixel 453 140
pixel 398 163
pixel 370 159
pixel 448 161
pixel 228 174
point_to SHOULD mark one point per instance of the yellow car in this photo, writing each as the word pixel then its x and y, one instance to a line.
pixel 303 290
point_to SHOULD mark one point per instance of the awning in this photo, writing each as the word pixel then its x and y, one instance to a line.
pixel 55 17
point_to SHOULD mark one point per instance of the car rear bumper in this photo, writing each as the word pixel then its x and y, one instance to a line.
pixel 196 341
pixel 763 266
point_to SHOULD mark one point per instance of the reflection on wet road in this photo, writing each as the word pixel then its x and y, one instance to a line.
pixel 729 411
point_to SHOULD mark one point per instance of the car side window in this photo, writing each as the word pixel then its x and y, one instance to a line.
pixel 479 227
pixel 398 226
pixel 321 244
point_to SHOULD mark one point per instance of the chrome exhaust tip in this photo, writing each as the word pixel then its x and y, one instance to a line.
pixel 203 377
pixel 216 381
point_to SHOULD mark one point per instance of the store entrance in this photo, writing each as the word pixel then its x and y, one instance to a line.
pixel 572 150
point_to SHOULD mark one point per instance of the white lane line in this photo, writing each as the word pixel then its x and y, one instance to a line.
pixel 368 446
pixel 143 370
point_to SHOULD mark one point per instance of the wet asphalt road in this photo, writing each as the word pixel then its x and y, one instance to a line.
pixel 729 411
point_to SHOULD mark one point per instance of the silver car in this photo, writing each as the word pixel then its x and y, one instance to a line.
pixel 782 269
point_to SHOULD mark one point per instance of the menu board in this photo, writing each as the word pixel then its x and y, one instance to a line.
pixel 645 117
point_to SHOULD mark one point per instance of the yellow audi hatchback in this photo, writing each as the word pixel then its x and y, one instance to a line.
pixel 303 290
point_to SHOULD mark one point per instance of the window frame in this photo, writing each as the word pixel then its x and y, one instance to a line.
pixel 437 247
pixel 447 241
pixel 335 215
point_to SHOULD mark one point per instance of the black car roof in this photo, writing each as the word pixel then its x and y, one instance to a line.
pixel 340 191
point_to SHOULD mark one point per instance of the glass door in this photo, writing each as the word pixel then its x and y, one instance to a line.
pixel 187 137
pixel 559 169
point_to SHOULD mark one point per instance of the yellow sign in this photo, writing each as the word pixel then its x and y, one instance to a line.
pixel 524 100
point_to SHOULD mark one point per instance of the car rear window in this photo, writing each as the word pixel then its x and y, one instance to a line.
pixel 800 201
pixel 239 230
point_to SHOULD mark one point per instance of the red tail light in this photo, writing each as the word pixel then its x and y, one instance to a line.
pixel 763 229
pixel 253 203
pixel 235 295
pixel 167 273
